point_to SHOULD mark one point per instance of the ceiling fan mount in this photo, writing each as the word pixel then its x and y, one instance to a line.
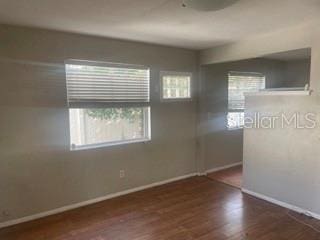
pixel 208 5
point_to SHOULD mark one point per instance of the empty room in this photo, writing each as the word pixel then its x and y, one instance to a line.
pixel 159 120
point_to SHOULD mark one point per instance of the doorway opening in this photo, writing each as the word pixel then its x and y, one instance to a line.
pixel 231 176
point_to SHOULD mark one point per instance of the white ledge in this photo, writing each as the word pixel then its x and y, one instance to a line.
pixel 279 93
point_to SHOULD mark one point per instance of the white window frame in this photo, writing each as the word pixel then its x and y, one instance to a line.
pixel 174 73
pixel 239 110
pixel 147 129
pixel 147 105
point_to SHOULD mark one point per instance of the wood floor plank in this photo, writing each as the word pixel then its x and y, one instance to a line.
pixel 194 208
pixel 231 176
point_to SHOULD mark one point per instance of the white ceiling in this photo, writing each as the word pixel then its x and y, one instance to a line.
pixel 160 21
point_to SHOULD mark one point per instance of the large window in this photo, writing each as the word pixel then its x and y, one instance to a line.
pixel 238 84
pixel 175 85
pixel 109 103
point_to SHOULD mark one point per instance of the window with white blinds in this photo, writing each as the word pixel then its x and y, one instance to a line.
pixel 88 82
pixel 238 84
pixel 109 104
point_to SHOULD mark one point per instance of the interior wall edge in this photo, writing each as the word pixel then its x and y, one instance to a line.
pixel 212 170
pixel 282 204
pixel 302 36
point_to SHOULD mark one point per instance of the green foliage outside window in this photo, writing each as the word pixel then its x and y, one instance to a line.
pixel 130 114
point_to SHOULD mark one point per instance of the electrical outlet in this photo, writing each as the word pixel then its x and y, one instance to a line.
pixel 5 214
pixel 122 174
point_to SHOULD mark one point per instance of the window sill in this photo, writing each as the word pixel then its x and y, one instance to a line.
pixel 110 144
pixel 176 99
pixel 235 128
pixel 279 93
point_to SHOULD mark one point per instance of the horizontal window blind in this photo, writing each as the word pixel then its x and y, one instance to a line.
pixel 240 83
pixel 106 83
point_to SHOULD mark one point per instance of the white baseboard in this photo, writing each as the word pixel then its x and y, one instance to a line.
pixel 223 167
pixel 201 174
pixel 92 201
pixel 282 204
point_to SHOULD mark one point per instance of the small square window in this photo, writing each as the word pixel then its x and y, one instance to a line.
pixel 175 85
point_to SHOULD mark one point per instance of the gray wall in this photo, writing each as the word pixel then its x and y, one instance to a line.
pixel 297 37
pixel 288 165
pixel 297 73
pixel 283 163
pixel 37 170
pixel 220 146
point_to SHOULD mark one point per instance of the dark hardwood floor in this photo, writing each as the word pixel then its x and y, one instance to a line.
pixel 231 176
pixel 195 208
